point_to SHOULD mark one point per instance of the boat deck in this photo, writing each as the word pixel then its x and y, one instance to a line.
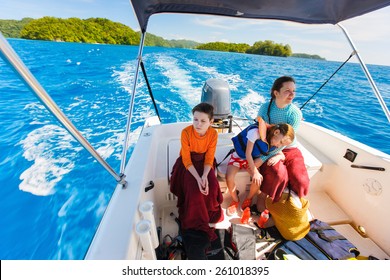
pixel 321 203
pixel 322 206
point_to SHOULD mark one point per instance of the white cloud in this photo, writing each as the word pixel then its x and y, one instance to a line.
pixel 370 34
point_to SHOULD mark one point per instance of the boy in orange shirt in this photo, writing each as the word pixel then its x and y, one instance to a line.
pixel 193 178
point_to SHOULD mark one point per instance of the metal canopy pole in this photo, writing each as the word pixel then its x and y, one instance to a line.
pixel 131 105
pixel 10 56
pixel 368 75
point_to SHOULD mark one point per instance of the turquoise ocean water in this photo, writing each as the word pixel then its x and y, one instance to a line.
pixel 52 192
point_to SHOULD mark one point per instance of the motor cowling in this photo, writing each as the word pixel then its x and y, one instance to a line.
pixel 217 93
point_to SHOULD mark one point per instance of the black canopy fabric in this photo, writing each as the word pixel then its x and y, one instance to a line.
pixel 303 11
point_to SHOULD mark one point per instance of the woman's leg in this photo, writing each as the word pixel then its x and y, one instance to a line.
pixel 275 179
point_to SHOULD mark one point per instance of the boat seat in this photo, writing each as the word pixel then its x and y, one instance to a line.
pixel 365 245
pixel 323 207
pixel 313 165
pixel 224 145
pixel 174 146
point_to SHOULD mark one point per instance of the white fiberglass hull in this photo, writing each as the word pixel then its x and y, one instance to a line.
pixel 359 196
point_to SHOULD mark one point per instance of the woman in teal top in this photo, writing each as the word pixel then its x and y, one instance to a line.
pixel 278 173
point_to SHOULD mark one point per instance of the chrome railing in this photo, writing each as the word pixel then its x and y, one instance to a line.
pixel 367 73
pixel 131 105
pixel 10 56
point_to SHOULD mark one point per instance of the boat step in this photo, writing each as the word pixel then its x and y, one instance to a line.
pixel 323 207
pixel 169 225
pixel 312 163
pixel 365 245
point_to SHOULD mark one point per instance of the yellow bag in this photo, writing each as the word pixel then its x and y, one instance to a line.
pixel 291 220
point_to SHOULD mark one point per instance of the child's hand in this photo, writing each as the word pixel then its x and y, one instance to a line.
pixel 257 178
pixel 274 160
pixel 203 185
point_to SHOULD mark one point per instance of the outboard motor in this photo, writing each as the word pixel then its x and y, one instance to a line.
pixel 217 93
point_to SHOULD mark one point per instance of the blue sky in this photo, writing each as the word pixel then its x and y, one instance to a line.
pixel 370 33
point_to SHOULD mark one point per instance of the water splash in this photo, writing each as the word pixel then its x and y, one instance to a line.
pixel 42 147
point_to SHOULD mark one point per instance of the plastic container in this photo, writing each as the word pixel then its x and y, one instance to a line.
pixel 245 216
pixel 263 218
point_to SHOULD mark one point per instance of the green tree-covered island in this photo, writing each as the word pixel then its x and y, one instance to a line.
pixel 104 31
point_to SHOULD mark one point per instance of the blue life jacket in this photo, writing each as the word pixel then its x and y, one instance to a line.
pixel 240 142
pixel 322 242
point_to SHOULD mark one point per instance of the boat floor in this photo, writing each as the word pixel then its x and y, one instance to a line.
pixel 322 206
pixel 170 227
pixel 336 218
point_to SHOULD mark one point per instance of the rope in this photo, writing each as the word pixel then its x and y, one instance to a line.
pixel 352 54
pixel 150 90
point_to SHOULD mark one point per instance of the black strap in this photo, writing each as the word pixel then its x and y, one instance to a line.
pixel 269 110
pixel 150 90
pixel 352 54
pixel 322 235
pixel 228 154
pixel 321 228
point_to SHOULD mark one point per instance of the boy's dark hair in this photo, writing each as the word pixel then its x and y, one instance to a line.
pixel 204 108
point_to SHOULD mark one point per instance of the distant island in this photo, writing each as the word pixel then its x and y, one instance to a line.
pixel 104 31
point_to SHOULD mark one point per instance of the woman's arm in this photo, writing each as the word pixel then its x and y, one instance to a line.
pixel 276 158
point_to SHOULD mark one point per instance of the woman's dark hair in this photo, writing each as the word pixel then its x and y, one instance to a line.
pixel 278 83
pixel 204 108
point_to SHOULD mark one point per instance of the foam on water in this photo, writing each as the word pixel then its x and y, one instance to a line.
pixel 93 204
pixel 312 108
pixel 142 110
pixel 37 112
pixel 125 76
pixel 179 80
pixel 64 209
pixel 109 146
pixel 48 168
pixel 249 104
pixel 233 80
pixel 99 205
